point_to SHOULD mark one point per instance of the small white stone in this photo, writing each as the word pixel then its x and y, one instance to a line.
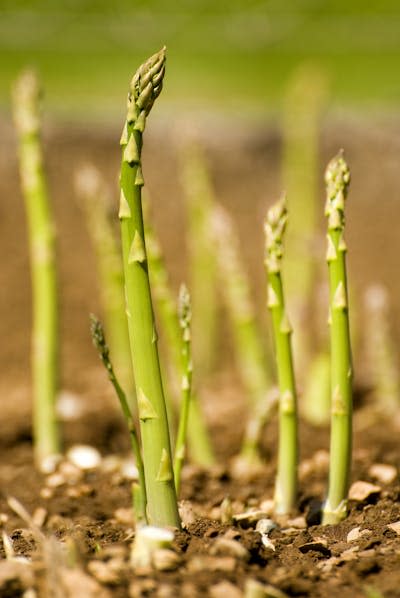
pixel 84 456
pixel 50 463
pixel 69 406
pixel 386 474
pixel 356 533
pixel 360 490
pixel 395 527
pixel 54 480
pixel 128 470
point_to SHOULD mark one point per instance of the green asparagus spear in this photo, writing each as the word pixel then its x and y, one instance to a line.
pixel 41 229
pixel 162 508
pixel 337 179
pixel 286 481
pixel 100 343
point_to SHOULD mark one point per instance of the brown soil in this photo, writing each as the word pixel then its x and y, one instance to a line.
pixel 92 509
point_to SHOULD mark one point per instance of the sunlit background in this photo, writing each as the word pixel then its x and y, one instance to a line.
pixel 234 55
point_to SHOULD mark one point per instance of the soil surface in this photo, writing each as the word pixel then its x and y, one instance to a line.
pixel 78 527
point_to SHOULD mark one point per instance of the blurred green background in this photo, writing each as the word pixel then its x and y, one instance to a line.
pixel 234 56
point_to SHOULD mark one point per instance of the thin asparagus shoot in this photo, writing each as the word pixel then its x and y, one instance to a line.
pixel 199 443
pixel 185 316
pixel 251 354
pixel 286 480
pixel 96 204
pixel 199 196
pixel 337 178
pixel 100 343
pixel 304 104
pixel 45 338
pixel 381 350
pixel 162 508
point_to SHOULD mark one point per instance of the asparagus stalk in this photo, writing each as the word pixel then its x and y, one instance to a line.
pixel 202 262
pixel 381 352
pixel 337 179
pixel 162 508
pixel 200 447
pixel 44 356
pixel 304 103
pixel 100 343
pixel 96 205
pixel 185 316
pixel 286 480
pixel 252 361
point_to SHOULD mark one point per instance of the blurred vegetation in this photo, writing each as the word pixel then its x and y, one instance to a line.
pixel 235 55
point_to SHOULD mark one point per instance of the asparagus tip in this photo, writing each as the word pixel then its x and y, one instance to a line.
pixel 337 176
pixel 147 82
pixel 27 93
pixel 184 306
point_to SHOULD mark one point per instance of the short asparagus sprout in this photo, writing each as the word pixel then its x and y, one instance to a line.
pixel 44 356
pixel 251 355
pixel 286 481
pixel 162 507
pixel 337 179
pixel 99 341
pixel 185 316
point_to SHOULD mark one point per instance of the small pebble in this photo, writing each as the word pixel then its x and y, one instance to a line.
pixel 105 573
pixel 55 480
pixel 49 464
pixel 69 406
pixel 129 471
pixel 265 526
pixel 70 472
pixel 360 491
pixel 164 559
pixel 297 522
pixel 124 515
pixel 249 518
pixel 226 564
pixel 268 506
pixel 356 533
pixel 46 493
pixel 39 516
pixel 395 527
pixel 225 589
pixel 317 545
pixel 254 588
pixel 84 456
pixel 187 513
pixel 383 473
pixel 226 547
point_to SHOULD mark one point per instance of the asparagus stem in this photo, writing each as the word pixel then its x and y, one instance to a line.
pixel 381 351
pixel 44 356
pixel 286 481
pixel 200 447
pixel 304 103
pixel 96 205
pixel 162 508
pixel 252 362
pixel 100 343
pixel 337 179
pixel 185 316
pixel 202 262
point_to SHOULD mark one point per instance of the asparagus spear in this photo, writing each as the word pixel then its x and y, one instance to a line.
pixel 185 316
pixel 100 343
pixel 199 444
pixel 162 508
pixel 337 179
pixel 96 205
pixel 44 357
pixel 252 361
pixel 286 480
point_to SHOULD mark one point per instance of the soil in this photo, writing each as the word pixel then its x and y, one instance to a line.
pixel 89 511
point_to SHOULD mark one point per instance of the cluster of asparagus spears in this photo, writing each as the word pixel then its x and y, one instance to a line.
pixel 159 468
